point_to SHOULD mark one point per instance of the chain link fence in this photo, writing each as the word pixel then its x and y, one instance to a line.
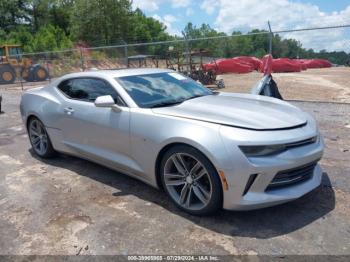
pixel 186 54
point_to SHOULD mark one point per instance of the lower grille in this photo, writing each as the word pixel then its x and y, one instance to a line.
pixel 292 176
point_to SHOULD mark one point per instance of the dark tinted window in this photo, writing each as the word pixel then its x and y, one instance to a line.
pixel 14 52
pixel 156 89
pixel 88 89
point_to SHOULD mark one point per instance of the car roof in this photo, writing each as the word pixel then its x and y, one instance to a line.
pixel 108 74
pixel 118 72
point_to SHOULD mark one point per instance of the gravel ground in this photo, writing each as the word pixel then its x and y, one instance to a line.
pixel 71 206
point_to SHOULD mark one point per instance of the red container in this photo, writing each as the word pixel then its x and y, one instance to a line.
pixel 231 65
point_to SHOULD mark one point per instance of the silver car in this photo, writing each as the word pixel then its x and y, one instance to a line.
pixel 207 150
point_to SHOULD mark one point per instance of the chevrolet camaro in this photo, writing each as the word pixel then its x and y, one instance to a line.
pixel 206 149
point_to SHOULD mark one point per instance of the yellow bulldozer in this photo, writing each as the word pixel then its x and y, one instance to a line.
pixel 14 66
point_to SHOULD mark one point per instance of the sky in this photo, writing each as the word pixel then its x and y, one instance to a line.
pixel 232 15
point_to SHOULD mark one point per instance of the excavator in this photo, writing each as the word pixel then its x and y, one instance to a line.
pixel 14 66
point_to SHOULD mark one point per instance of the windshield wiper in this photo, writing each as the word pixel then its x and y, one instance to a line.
pixel 175 102
pixel 167 103
pixel 195 96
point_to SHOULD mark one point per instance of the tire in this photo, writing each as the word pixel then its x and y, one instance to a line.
pixel 196 190
pixel 27 74
pixel 39 139
pixel 40 73
pixel 220 84
pixel 7 74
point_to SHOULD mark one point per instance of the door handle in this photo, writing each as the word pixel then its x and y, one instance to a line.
pixel 68 110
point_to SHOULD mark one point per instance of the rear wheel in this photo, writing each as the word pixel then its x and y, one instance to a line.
pixel 191 181
pixel 39 138
pixel 7 74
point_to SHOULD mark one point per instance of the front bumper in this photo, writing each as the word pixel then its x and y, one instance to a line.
pixel 258 195
pixel 255 200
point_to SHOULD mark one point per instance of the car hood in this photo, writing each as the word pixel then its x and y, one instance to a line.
pixel 239 110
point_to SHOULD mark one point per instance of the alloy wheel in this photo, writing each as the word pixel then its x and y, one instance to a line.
pixel 187 181
pixel 38 137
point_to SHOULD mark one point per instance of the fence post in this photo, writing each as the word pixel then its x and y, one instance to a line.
pixel 270 38
pixel 47 66
pixel 299 48
pixel 126 52
pixel 82 59
pixel 21 82
pixel 188 58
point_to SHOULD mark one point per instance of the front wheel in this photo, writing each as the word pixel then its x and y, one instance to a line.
pixel 7 74
pixel 191 181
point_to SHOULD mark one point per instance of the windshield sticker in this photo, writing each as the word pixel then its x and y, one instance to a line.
pixel 177 76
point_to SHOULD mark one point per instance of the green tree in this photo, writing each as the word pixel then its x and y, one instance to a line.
pixel 101 22
pixel 50 38
pixel 215 46
pixel 13 13
pixel 21 35
pixel 147 29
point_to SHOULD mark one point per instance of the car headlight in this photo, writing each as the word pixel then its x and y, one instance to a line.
pixel 254 151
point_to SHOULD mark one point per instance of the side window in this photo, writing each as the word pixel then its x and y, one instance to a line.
pixel 88 89
pixel 14 52
pixel 67 88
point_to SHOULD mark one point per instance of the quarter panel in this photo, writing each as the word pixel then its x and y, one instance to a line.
pixel 45 104
pixel 41 103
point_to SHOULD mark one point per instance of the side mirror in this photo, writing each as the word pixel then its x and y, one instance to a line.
pixel 104 101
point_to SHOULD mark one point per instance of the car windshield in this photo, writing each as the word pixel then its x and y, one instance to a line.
pixel 161 89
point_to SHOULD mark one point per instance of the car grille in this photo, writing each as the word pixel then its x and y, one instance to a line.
pixel 292 176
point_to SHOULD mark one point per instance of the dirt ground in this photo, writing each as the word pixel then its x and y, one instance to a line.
pixel 74 207
pixel 326 84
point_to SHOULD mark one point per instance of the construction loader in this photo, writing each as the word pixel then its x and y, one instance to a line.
pixel 13 66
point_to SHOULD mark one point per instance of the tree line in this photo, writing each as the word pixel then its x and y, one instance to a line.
pixel 52 25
